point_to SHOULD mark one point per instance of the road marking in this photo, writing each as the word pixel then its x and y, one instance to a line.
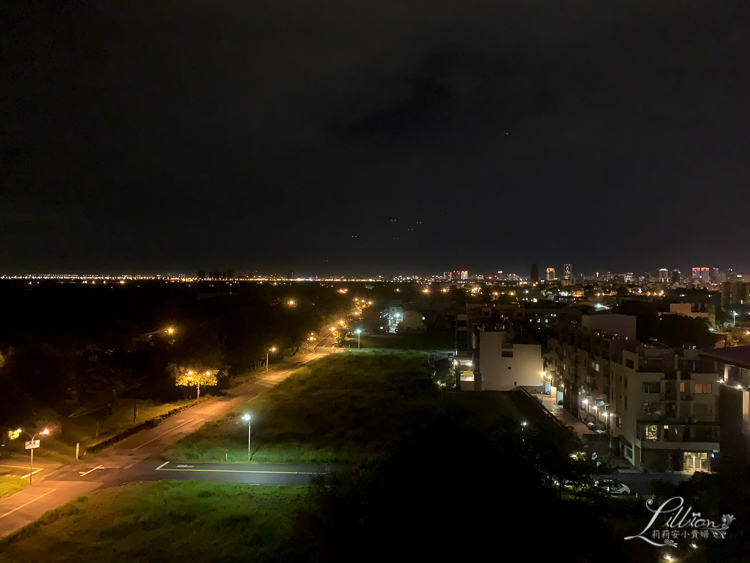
pixel 162 465
pixel 35 472
pixel 82 474
pixel 28 503
pixel 15 466
pixel 244 471
pixel 160 435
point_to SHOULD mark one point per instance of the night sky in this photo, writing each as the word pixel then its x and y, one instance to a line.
pixel 373 137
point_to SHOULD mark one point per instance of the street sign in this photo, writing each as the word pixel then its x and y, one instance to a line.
pixel 32 445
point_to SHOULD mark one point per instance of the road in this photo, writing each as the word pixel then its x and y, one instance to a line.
pixel 641 482
pixel 137 458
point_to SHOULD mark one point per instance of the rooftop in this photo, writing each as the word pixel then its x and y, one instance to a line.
pixel 737 355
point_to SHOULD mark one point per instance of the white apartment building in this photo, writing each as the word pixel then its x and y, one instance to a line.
pixel 658 404
pixel 502 360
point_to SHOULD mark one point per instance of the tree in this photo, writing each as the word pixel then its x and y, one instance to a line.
pixel 187 377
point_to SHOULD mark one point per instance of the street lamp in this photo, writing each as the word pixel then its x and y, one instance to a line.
pixel 358 331
pixel 272 349
pixel 247 418
pixel 734 318
pixel 31 446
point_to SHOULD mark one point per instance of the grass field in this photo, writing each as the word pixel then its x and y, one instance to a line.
pixel 162 522
pixel 442 340
pixel 343 408
pixel 11 485
pixel 61 448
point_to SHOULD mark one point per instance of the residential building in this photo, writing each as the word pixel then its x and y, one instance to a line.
pixel 503 359
pixel 734 295
pixel 658 405
pixel 551 274
pixel 476 313
pixel 705 312
pixel 663 275
pixel 666 409
pixel 568 271
pixel 734 420
pixel 411 321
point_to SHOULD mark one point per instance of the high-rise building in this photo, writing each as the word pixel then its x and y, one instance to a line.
pixel 464 274
pixel 512 277
pixel 500 276
pixel 675 277
pixel 701 274
pixel 663 275
pixel 734 294
pixel 534 274
pixel 550 274
pixel 568 271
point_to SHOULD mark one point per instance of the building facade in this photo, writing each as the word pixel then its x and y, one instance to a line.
pixel 658 405
pixel 503 360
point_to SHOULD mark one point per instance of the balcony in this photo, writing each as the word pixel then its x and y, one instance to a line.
pixel 669 396
pixel 684 396
pixel 651 367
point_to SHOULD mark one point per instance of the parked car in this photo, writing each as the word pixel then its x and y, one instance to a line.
pixel 612 487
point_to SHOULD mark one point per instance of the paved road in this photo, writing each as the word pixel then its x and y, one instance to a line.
pixel 641 482
pixel 137 457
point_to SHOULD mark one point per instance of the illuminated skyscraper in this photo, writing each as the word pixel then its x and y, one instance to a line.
pixel 550 274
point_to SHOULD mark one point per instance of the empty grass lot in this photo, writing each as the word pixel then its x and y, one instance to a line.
pixel 165 521
pixel 344 408
pixel 348 407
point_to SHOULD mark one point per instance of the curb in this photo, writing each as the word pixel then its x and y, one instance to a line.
pixel 151 423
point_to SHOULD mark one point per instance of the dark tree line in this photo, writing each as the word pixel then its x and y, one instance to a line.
pixel 65 346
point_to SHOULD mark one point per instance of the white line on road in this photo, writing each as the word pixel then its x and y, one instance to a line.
pixel 160 435
pixel 162 465
pixel 35 472
pixel 245 471
pixel 82 474
pixel 28 503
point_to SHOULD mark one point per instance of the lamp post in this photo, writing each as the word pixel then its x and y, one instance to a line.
pixel 358 331
pixel 31 449
pixel 247 418
pixel 272 349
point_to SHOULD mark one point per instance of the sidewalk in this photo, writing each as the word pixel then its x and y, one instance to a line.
pixel 26 506
pixel 57 484
pixel 565 417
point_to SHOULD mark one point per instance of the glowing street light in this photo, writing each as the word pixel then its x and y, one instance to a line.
pixel 358 331
pixel 272 349
pixel 170 330
pixel 248 418
pixel 31 445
